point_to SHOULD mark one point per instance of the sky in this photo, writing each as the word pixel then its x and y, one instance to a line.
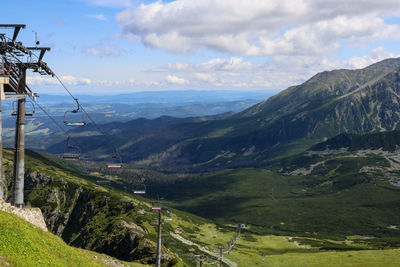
pixel 123 46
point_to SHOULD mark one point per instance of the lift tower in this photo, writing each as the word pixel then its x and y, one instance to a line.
pixel 15 60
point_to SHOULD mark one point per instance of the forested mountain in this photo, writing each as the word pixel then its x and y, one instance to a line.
pixel 330 103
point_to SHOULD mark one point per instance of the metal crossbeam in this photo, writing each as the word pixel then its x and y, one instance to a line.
pixel 17 28
pixel 13 86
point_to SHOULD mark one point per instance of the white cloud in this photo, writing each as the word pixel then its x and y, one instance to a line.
pixel 259 27
pixel 280 72
pixel 227 65
pixel 175 80
pixel 68 80
pixel 151 83
pixel 205 77
pixel 97 16
pixel 40 80
pixel 217 71
pixel 375 55
pixel 75 81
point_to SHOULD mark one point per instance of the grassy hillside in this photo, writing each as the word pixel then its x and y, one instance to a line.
pixel 86 214
pixel 322 194
pixel 388 141
pixel 22 244
pixel 104 222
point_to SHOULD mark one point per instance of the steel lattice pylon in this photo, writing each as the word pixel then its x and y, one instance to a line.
pixel 15 60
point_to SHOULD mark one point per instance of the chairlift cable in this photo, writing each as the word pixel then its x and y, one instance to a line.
pixel 44 110
pixel 90 117
pixel 51 117
pixel 116 151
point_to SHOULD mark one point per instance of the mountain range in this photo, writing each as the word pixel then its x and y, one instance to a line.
pixel 328 104
pixel 321 173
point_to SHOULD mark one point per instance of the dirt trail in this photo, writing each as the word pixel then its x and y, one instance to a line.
pixel 205 250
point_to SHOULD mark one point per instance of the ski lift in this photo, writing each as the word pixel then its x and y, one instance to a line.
pixel 68 122
pixel 74 151
pixel 28 113
pixel 178 231
pixel 103 181
pixel 117 164
pixel 140 190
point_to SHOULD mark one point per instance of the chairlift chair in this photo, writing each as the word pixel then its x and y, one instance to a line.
pixel 140 190
pixel 69 122
pixel 117 162
pixel 28 112
pixel 74 151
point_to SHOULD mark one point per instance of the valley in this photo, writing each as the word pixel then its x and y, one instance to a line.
pixel 313 182
pixel 58 189
pixel 329 103
pixel 200 133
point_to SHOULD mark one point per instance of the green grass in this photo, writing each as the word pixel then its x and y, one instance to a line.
pixel 335 200
pixel 275 204
pixel 369 258
pixel 88 215
pixel 271 250
pixel 22 244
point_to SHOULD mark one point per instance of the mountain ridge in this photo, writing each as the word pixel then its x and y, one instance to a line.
pixel 329 103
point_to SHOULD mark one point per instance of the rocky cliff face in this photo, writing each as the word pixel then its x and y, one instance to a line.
pixel 92 218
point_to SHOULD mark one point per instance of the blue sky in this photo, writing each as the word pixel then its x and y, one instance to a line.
pixel 121 46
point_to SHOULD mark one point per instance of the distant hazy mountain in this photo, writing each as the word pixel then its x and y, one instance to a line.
pixel 125 107
pixel 163 97
pixel 330 103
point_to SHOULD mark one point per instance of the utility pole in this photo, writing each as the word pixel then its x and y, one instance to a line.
pixel 2 178
pixel 220 257
pixel 158 259
pixel 19 156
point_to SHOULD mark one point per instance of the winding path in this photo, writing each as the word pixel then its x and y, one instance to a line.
pixel 205 250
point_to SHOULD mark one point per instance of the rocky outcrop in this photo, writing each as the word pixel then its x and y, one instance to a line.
pixel 91 218
pixel 31 215
pixel 33 179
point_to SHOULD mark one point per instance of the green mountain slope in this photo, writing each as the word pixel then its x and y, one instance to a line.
pixel 337 188
pixel 330 103
pixel 23 244
pixel 85 214
pixel 387 141
pixel 102 218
